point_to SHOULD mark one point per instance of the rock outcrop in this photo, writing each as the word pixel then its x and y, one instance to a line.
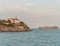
pixel 7 26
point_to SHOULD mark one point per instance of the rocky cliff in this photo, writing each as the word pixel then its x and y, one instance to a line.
pixel 7 26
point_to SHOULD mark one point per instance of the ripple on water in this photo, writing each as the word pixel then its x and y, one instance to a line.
pixel 34 38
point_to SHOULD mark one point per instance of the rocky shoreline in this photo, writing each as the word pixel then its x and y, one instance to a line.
pixel 13 26
pixel 13 29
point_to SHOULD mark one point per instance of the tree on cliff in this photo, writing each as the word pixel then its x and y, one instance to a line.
pixel 8 21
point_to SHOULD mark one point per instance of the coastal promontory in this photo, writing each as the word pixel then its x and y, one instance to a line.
pixel 13 25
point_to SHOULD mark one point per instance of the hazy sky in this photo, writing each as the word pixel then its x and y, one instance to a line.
pixel 35 13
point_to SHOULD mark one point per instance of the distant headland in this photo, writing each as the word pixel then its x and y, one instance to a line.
pixel 13 25
pixel 49 27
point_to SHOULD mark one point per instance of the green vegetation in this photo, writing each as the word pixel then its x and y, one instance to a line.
pixel 6 23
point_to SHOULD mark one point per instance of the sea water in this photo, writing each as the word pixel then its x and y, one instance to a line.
pixel 36 37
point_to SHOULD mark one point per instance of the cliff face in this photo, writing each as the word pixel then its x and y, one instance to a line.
pixel 24 26
pixel 7 26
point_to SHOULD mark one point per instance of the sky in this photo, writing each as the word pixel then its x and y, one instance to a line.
pixel 34 13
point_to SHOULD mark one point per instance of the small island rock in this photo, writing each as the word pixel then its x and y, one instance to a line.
pixel 49 27
pixel 13 25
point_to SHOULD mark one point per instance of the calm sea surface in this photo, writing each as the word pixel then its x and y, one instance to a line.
pixel 35 38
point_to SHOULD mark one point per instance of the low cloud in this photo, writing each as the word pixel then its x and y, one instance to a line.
pixel 31 13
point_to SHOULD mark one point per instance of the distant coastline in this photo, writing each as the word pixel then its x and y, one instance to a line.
pixel 49 27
